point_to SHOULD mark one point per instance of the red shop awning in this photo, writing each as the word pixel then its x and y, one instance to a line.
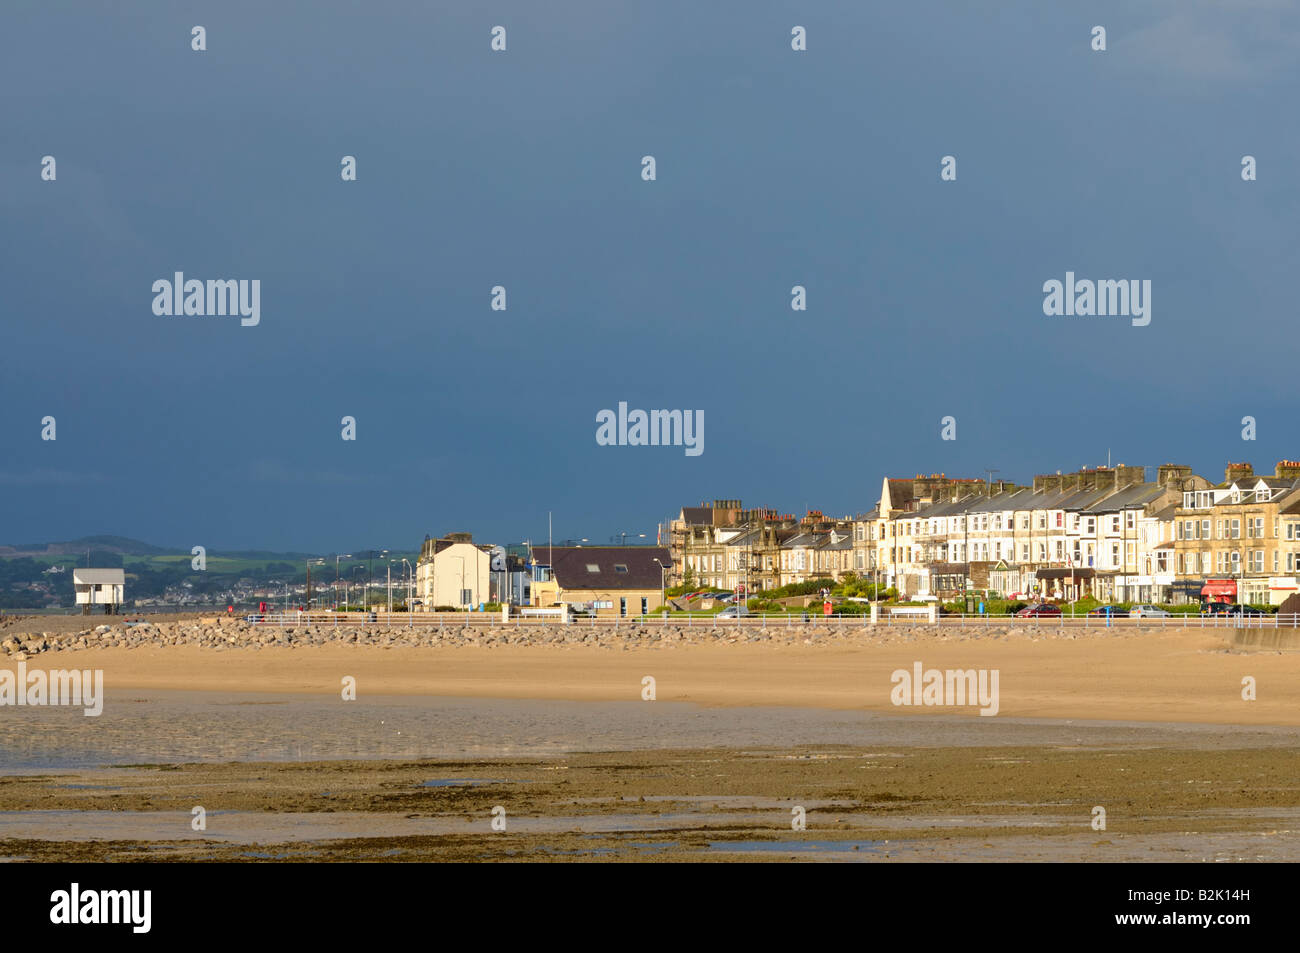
pixel 1219 587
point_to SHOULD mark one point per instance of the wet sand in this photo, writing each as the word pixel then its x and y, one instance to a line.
pixel 1150 725
pixel 933 804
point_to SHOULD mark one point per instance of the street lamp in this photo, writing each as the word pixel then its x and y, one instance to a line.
pixel 410 589
pixel 461 560
pixel 355 570
pixel 311 562
pixel 371 572
pixel 624 536
pixel 663 586
pixel 337 557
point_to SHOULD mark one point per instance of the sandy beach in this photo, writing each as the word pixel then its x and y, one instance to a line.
pixel 552 727
pixel 1163 675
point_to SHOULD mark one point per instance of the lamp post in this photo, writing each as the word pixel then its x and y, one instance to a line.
pixel 355 570
pixel 663 586
pixel 337 557
pixel 410 592
pixel 310 563
pixel 461 560
pixel 371 571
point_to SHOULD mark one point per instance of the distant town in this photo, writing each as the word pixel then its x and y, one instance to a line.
pixel 1119 534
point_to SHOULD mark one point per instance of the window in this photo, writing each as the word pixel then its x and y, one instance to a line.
pixel 622 606
pixel 620 568
pixel 1114 555
pixel 1024 552
pixel 1275 560
pixel 1234 562
pixel 1290 562
pixel 1114 524
pixel 1130 519
pixel 1205 529
pixel 1060 520
pixel 1235 529
pixel 593 567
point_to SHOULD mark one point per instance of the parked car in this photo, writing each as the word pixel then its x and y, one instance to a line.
pixel 1114 612
pixel 1238 608
pixel 1216 609
pixel 1039 610
pixel 1147 612
pixel 733 611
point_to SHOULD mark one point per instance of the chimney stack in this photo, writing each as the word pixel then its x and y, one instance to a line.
pixel 1238 471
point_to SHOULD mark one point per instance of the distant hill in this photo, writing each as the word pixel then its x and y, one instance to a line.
pixel 125 546
pixel 121 545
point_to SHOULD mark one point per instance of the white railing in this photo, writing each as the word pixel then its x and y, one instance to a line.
pixel 895 616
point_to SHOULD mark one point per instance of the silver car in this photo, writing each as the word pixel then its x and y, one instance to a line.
pixel 1147 612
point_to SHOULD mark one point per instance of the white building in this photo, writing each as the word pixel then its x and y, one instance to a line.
pixel 99 587
pixel 453 571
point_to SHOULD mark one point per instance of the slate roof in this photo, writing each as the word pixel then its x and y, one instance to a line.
pixel 570 566
pixel 99 577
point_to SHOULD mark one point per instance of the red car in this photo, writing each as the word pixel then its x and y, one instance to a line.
pixel 1039 610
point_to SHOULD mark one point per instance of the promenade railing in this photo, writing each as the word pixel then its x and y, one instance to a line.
pixel 426 620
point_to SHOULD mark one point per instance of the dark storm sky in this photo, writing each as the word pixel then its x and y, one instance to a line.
pixel 522 169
